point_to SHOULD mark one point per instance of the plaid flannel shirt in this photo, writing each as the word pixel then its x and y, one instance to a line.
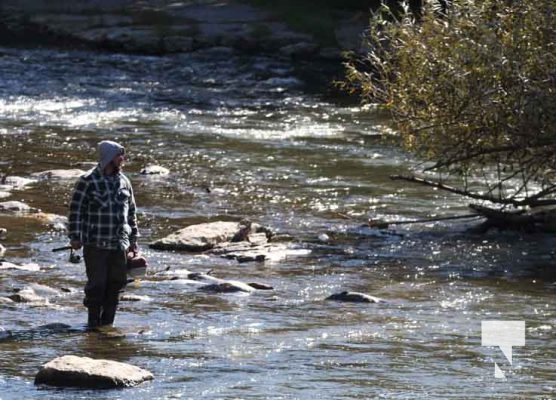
pixel 102 211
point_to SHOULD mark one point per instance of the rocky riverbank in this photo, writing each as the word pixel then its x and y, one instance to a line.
pixel 163 27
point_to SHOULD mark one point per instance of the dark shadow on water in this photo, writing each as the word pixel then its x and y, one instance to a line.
pixel 443 251
pixel 40 332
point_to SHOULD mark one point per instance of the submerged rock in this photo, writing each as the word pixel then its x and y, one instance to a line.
pixel 44 290
pixel 35 294
pixel 354 297
pixel 31 267
pixel 133 297
pixel 28 295
pixel 260 286
pixel 53 221
pixel 59 174
pixel 232 286
pixel 56 327
pixel 16 182
pixel 213 284
pixel 227 287
pixel 85 372
pixel 38 332
pixel 154 170
pixel 17 206
pixel 6 301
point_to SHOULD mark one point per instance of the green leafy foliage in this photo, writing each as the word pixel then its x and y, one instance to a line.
pixel 472 91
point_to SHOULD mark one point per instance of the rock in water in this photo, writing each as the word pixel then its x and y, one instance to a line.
pixel 154 170
pixel 16 207
pixel 59 174
pixel 85 372
pixel 197 238
pixel 354 297
pixel 227 287
pixel 260 286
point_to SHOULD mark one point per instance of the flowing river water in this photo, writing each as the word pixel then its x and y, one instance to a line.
pixel 268 150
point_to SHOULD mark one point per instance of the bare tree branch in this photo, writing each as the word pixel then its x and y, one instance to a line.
pixel 532 201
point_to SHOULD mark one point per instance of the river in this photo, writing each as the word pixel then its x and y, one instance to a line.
pixel 243 138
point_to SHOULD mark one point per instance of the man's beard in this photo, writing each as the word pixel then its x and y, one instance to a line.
pixel 116 168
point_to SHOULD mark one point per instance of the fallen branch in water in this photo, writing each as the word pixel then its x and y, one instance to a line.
pixel 517 220
pixel 441 186
pixel 380 224
pixel 536 200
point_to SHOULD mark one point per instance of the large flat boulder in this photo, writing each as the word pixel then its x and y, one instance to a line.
pixel 85 372
pixel 200 237
pixel 243 241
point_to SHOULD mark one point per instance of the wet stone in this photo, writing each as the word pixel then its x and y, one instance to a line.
pixel 354 297
pixel 27 296
pixel 16 206
pixel 197 238
pixel 227 287
pixel 16 182
pixel 31 267
pixel 133 297
pixel 56 174
pixel 85 372
pixel 155 170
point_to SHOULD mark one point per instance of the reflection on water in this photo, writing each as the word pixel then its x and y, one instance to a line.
pixel 242 139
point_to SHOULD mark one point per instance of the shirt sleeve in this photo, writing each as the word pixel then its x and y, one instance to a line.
pixel 132 217
pixel 78 205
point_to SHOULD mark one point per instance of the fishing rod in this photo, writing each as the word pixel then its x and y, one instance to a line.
pixel 62 248
pixel 380 224
pixel 74 258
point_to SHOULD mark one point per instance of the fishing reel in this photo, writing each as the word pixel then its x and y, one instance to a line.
pixel 73 257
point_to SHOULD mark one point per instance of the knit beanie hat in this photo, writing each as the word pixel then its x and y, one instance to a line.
pixel 107 150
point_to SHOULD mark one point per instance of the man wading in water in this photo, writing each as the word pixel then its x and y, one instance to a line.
pixel 102 220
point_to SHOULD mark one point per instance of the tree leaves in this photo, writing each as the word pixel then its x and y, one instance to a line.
pixel 472 91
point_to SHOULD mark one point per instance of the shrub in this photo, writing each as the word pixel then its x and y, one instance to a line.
pixel 472 91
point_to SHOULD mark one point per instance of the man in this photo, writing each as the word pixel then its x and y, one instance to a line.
pixel 102 220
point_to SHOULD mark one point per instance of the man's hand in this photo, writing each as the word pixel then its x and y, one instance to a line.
pixel 76 244
pixel 133 248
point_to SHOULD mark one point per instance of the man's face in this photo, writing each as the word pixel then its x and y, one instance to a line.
pixel 118 161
